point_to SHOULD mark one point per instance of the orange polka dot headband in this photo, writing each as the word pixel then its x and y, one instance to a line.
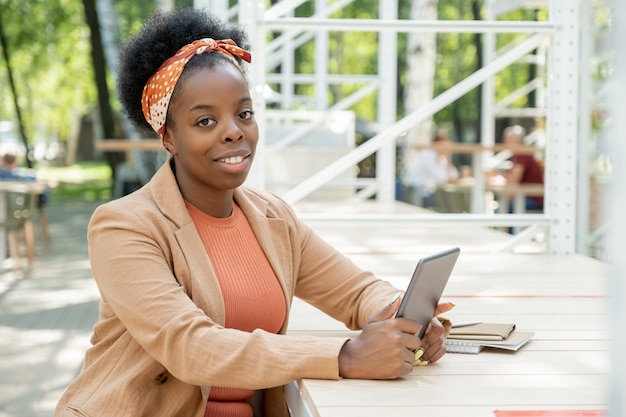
pixel 159 88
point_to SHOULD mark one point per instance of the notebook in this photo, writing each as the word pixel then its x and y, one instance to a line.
pixel 474 338
pixel 481 331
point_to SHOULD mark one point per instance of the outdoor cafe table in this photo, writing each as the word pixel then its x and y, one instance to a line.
pixel 561 371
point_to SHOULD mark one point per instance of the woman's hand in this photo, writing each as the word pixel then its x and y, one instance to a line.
pixel 434 342
pixel 384 349
pixel 387 346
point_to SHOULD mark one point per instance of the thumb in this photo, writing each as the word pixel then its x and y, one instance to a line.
pixel 443 308
pixel 388 311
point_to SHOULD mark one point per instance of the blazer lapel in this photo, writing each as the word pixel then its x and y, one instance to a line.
pixel 192 267
pixel 271 231
pixel 203 284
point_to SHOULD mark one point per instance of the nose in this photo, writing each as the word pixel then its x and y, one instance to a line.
pixel 233 132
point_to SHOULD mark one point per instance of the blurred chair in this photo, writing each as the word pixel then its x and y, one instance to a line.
pixel 20 208
pixel 452 198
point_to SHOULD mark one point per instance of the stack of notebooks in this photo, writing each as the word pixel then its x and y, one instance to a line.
pixel 474 337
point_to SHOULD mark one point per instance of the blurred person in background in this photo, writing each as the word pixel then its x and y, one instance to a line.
pixel 525 168
pixel 432 168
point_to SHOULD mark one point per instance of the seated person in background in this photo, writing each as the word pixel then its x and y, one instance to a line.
pixel 525 168
pixel 8 168
pixel 8 172
pixel 431 168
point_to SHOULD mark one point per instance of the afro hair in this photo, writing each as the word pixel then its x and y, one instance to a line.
pixel 160 38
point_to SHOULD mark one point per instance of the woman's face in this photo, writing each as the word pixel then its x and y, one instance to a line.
pixel 213 133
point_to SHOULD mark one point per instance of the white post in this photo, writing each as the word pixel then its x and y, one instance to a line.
pixel 251 17
pixel 288 69
pixel 387 70
pixel 617 234
pixel 321 61
pixel 487 118
pixel 584 123
pixel 562 131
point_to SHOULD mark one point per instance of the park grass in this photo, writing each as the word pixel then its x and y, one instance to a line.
pixel 88 181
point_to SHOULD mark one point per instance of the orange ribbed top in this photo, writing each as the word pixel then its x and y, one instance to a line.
pixel 253 297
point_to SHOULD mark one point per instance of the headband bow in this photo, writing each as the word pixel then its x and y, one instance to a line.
pixel 158 90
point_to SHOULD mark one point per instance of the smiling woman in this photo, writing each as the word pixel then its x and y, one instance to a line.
pixel 198 272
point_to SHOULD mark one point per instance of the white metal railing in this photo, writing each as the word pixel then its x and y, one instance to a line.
pixel 563 27
pixel 390 134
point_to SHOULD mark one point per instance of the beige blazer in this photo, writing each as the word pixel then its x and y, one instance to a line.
pixel 159 343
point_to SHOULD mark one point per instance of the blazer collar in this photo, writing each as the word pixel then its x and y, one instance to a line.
pixel 268 223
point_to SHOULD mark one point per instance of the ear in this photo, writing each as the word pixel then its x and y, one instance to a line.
pixel 168 142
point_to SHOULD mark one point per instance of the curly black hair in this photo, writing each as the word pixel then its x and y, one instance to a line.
pixel 161 37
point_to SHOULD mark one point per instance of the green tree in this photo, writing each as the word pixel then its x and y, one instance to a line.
pixel 49 51
pixel 46 45
pixel 458 56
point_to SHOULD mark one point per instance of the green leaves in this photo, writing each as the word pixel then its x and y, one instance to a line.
pixel 48 52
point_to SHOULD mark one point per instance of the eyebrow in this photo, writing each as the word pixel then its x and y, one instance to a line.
pixel 210 106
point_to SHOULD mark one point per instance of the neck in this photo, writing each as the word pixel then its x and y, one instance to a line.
pixel 215 203
pixel 221 207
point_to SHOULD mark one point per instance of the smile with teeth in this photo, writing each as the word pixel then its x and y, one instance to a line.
pixel 232 160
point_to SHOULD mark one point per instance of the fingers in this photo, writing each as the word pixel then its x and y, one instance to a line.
pixel 388 347
pixel 388 311
pixel 383 350
pixel 433 345
pixel 443 308
pixel 431 354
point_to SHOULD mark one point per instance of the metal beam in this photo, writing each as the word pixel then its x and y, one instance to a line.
pixel 487 220
pixel 406 26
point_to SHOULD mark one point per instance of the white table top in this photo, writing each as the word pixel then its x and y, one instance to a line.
pixel 23 186
pixel 563 299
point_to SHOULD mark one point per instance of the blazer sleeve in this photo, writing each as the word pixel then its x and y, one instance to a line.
pixel 322 276
pixel 330 281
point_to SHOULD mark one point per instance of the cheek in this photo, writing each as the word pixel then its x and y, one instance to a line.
pixel 253 134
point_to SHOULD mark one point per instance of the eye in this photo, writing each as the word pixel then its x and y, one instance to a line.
pixel 206 121
pixel 246 114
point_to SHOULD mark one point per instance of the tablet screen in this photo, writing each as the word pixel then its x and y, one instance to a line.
pixel 426 287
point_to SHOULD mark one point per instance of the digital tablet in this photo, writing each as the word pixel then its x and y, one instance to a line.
pixel 426 287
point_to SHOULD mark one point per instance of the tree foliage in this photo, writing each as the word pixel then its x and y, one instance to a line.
pixel 48 43
pixel 50 52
